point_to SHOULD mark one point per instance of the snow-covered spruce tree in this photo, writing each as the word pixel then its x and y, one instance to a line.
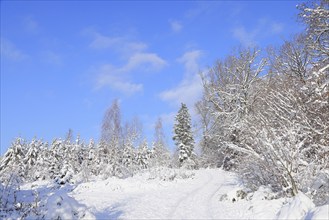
pixel 79 161
pixel 65 174
pixel 183 138
pixel 132 134
pixel 12 174
pixel 143 155
pixel 108 160
pixel 129 160
pixel 57 149
pixel 12 161
pixel 43 162
pixel 91 158
pixel 65 159
pixel 76 154
pixel 32 153
pixel 31 159
pixel 56 155
pixel 101 159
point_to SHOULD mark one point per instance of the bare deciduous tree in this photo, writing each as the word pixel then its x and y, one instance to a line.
pixel 230 91
pixel 133 132
pixel 161 153
pixel 316 16
pixel 292 59
pixel 111 127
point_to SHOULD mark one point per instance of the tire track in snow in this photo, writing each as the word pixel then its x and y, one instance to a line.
pixel 194 204
pixel 211 197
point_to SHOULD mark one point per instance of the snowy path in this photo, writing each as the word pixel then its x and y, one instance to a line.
pixel 200 194
pixel 196 203
pixel 193 198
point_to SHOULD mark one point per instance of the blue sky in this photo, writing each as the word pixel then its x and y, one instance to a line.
pixel 63 62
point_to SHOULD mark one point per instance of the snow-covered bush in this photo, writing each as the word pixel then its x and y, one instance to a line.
pixel 62 206
pixel 236 195
pixel 9 186
pixel 169 174
pixel 65 175
pixel 14 203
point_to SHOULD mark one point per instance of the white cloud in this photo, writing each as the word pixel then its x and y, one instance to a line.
pixel 121 45
pixel 176 26
pixel 190 61
pixel 190 88
pixel 246 38
pixel 134 46
pixel 10 51
pixel 188 91
pixel 108 75
pixel 264 28
pixel 136 59
pixel 103 42
pixel 117 78
pixel 149 61
pixel 120 85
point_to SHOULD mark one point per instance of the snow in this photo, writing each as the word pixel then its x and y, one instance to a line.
pixel 297 208
pixel 183 194
pixel 62 206
pixel 164 193
pixel 318 213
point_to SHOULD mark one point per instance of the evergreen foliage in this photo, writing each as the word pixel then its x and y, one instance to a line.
pixel 183 136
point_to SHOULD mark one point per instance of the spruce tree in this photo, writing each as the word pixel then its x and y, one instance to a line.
pixel 143 155
pixel 12 161
pixel 183 136
pixel 31 158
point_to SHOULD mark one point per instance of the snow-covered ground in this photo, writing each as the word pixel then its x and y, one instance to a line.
pixel 173 194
